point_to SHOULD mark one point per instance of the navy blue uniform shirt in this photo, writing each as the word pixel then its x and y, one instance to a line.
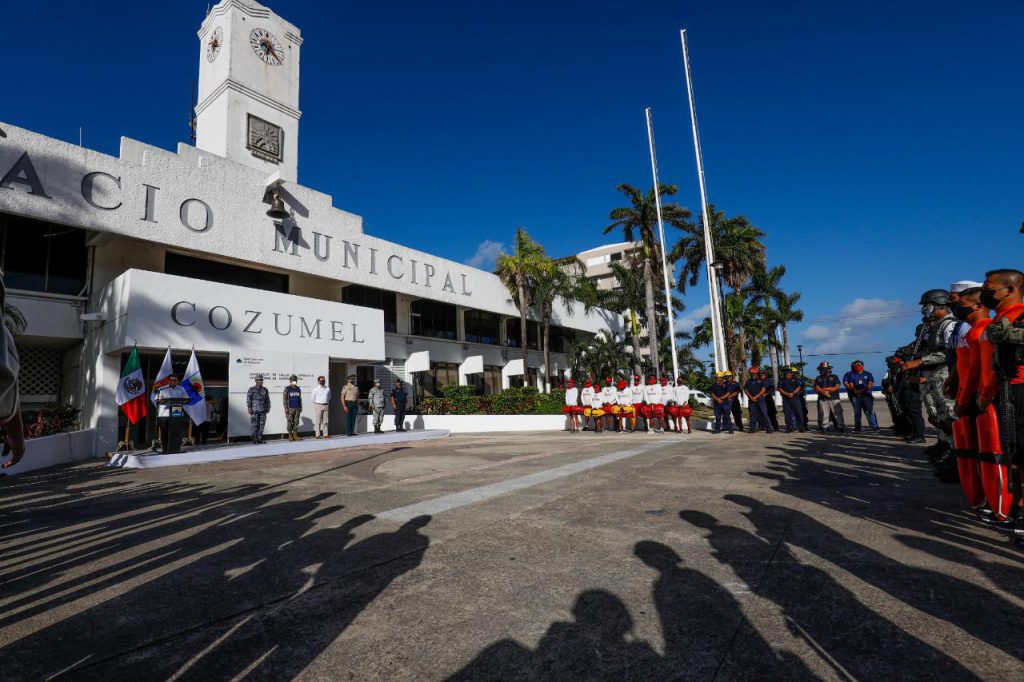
pixel 734 386
pixel 719 390
pixel 827 382
pixel 858 379
pixel 753 386
pixel 790 385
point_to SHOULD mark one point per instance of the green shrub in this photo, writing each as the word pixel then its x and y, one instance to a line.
pixel 516 400
pixel 552 403
pixel 461 399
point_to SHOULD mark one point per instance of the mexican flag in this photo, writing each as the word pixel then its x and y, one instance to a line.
pixel 131 389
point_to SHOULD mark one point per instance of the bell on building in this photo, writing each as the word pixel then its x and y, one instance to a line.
pixel 277 211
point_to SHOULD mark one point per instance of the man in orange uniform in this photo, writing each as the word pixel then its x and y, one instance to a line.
pixel 968 370
pixel 1002 385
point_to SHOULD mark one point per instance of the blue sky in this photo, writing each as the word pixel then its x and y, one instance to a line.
pixel 879 144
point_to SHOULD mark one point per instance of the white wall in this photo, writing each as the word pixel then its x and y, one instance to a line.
pixel 49 451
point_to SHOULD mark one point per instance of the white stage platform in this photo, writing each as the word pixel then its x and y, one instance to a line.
pixel 221 453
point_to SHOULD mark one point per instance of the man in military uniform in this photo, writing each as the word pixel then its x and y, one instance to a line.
pixel 257 402
pixel 934 371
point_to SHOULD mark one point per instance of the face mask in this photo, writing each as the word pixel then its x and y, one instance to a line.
pixel 322 382
pixel 988 298
pixel 962 312
pixel 927 311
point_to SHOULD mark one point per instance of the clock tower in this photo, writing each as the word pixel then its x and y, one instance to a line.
pixel 248 108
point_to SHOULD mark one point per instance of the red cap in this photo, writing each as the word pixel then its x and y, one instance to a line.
pixel 620 384
pixel 664 381
pixel 607 380
pixel 651 380
pixel 588 383
pixel 570 383
pixel 755 368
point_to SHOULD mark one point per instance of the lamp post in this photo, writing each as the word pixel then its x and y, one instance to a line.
pixel 800 350
pixel 719 267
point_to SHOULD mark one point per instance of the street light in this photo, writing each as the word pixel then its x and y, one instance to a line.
pixel 719 267
pixel 800 350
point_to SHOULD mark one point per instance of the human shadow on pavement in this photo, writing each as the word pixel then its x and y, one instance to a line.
pixel 257 588
pixel 844 633
pixel 976 610
pixel 593 646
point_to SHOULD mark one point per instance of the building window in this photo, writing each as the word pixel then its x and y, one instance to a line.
pixel 223 273
pixel 487 382
pixel 430 383
pixel 482 327
pixel 434 319
pixel 512 333
pixel 616 257
pixel 369 297
pixel 559 338
pixel 42 256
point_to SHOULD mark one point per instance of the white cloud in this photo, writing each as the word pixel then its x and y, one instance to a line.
pixel 486 254
pixel 856 327
pixel 689 320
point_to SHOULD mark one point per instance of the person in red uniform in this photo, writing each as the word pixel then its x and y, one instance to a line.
pixel 968 370
pixel 1002 385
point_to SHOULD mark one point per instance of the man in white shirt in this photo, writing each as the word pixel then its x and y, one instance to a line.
pixel 321 403
pixel 624 402
pixel 586 400
pixel 598 410
pixel 609 397
pixel 682 400
pixel 163 414
pixel 652 396
pixel 571 409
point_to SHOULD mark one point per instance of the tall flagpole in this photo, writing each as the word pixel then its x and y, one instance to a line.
pixel 718 334
pixel 664 259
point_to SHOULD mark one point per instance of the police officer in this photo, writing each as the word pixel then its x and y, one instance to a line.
pixel 908 389
pixel 790 389
pixel 755 392
pixel 721 399
pixel 858 385
pixel 900 422
pixel 737 406
pixel 931 362
pixel 827 386
pixel 769 399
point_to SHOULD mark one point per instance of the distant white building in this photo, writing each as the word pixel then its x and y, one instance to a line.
pixel 175 249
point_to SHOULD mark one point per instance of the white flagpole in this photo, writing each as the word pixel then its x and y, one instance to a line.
pixel 721 362
pixel 664 258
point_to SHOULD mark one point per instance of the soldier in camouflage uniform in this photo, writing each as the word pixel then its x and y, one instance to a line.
pixel 931 363
pixel 257 402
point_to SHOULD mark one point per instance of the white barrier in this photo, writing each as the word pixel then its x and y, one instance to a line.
pixel 60 448
pixel 482 423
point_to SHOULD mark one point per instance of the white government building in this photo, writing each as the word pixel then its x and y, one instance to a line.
pixel 157 248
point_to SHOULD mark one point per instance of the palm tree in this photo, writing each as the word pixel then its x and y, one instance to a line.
pixel 764 290
pixel 788 312
pixel 605 355
pixel 559 279
pixel 639 222
pixel 738 247
pixel 518 271
pixel 627 296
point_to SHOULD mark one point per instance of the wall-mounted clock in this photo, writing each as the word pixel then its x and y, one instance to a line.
pixel 214 44
pixel 266 46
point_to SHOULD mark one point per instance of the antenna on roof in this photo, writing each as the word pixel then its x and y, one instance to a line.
pixel 192 114
pixel 80 136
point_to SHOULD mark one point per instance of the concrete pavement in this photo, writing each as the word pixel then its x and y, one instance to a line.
pixel 520 556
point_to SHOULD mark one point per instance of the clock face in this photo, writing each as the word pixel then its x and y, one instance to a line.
pixel 266 46
pixel 214 44
pixel 264 139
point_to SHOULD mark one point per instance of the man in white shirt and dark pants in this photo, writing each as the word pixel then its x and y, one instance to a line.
pixel 163 414
pixel 321 402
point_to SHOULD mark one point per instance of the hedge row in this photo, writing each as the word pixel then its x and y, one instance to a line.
pixel 458 399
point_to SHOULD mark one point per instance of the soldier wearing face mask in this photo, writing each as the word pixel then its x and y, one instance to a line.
pixel 930 369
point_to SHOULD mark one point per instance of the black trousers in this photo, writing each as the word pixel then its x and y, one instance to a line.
pixel 773 413
pixel 737 413
pixel 910 400
pixel 165 431
pixel 400 417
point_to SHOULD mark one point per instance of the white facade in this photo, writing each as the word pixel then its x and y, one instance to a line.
pixel 147 205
